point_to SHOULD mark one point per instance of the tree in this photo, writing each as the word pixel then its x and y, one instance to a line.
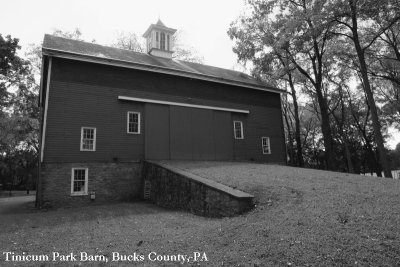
pixel 12 68
pixel 129 41
pixel 19 124
pixel 184 52
pixel 75 34
pixel 298 30
pixel 276 69
pixel 354 18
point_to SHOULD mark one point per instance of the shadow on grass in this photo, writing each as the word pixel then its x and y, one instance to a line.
pixel 25 215
pixel 17 205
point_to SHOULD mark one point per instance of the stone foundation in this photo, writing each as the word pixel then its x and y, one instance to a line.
pixel 109 181
pixel 176 189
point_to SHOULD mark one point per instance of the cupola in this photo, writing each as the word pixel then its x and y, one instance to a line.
pixel 159 40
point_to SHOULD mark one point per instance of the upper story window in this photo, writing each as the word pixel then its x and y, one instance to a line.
pixel 79 181
pixel 162 41
pixel 238 129
pixel 266 148
pixel 133 123
pixel 88 139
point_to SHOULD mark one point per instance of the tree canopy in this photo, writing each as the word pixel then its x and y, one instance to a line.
pixel 319 50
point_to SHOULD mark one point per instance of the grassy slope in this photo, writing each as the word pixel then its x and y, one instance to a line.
pixel 312 217
pixel 303 217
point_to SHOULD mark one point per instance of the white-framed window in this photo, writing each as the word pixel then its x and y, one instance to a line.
pixel 79 181
pixel 133 122
pixel 168 48
pixel 88 139
pixel 238 129
pixel 266 148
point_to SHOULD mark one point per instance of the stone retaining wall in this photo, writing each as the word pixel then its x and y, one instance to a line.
pixel 176 189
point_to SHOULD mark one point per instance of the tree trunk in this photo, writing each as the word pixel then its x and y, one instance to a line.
pixel 326 128
pixel 300 161
pixel 290 138
pixel 370 98
pixel 350 167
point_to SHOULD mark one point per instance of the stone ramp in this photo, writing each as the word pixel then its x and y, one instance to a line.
pixel 174 188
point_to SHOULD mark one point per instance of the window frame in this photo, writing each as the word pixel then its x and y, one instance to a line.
pixel 241 130
pixel 86 191
pixel 268 143
pixel 127 122
pixel 94 139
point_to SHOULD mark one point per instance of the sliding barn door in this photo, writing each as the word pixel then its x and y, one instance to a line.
pixel 156 132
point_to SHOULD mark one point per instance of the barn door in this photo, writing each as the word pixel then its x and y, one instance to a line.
pixel 156 131
pixel 223 135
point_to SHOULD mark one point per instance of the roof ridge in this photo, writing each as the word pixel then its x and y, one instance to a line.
pixel 102 45
pixel 240 72
pixel 62 45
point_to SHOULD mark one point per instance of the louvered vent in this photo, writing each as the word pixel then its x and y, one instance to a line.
pixel 147 187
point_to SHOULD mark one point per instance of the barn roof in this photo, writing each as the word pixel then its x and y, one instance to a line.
pixel 84 51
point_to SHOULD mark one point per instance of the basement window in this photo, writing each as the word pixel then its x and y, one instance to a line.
pixel 266 148
pixel 238 129
pixel 79 181
pixel 133 123
pixel 88 139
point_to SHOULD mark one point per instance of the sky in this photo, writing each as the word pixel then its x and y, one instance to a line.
pixel 203 24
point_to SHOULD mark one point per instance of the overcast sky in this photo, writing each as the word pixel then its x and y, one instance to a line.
pixel 203 24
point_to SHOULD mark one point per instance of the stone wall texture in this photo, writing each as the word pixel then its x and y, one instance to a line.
pixel 109 181
pixel 174 190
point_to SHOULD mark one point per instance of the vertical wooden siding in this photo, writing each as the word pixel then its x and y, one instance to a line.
pixel 85 94
pixel 157 132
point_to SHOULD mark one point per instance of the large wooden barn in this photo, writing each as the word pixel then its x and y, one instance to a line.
pixel 105 110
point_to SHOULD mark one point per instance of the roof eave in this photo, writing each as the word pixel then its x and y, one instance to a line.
pixel 147 67
pixel 155 26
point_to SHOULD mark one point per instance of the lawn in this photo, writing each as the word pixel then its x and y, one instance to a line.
pixel 302 218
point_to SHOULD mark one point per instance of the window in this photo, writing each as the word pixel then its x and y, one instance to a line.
pixel 238 129
pixel 162 41
pixel 157 42
pixel 168 43
pixel 266 148
pixel 88 139
pixel 79 181
pixel 133 125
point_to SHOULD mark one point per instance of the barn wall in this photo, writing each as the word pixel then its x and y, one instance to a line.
pixel 109 181
pixel 85 94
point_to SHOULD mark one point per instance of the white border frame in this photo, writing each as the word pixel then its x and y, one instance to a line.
pixel 145 100
pixel 241 130
pixel 94 141
pixel 86 192
pixel 127 122
pixel 262 145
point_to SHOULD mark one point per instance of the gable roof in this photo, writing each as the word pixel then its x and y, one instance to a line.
pixel 84 51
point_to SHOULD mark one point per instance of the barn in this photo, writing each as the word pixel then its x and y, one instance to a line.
pixel 105 110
